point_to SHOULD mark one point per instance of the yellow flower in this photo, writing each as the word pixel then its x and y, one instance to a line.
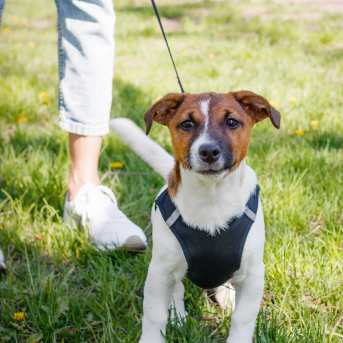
pixel 314 123
pixel 299 132
pixel 184 53
pixel 212 56
pixel 22 120
pixel 39 237
pixel 335 118
pixel 14 18
pixel 31 45
pixel 129 39
pixel 158 98
pixel 116 165
pixel 6 29
pixel 19 317
pixel 252 23
pixel 274 104
pixel 25 21
pixel 44 97
pixel 293 99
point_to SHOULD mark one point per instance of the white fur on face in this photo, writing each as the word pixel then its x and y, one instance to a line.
pixel 204 109
pixel 196 162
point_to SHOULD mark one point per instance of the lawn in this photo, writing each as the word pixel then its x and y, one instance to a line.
pixel 289 52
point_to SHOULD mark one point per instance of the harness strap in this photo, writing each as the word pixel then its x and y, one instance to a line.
pixel 250 214
pixel 174 217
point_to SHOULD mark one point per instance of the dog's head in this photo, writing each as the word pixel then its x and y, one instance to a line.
pixel 211 132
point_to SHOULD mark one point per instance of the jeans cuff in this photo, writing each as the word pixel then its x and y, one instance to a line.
pixel 83 130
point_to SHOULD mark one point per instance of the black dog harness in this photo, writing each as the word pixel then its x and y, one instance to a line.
pixel 211 260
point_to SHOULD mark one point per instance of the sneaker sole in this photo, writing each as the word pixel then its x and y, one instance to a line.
pixel 134 243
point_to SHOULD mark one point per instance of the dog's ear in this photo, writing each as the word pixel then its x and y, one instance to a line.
pixel 258 107
pixel 163 110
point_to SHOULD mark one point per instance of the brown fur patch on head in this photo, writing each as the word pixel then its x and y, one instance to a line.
pixel 258 107
pixel 163 110
pixel 174 180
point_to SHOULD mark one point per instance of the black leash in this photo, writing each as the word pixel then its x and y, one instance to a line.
pixel 165 38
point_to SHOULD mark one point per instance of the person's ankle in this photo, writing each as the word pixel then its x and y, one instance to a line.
pixel 74 186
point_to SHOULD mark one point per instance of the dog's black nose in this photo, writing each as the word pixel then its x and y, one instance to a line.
pixel 209 153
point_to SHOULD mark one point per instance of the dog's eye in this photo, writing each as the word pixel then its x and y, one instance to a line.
pixel 232 123
pixel 187 124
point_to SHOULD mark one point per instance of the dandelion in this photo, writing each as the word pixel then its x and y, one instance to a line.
pixel 293 99
pixel 25 21
pixel 158 98
pixel 314 123
pixel 129 39
pixel 22 120
pixel 274 104
pixel 211 56
pixel 116 165
pixel 19 323
pixel 31 45
pixel 184 53
pixel 6 30
pixel 299 132
pixel 14 18
pixel 44 97
pixel 19 317
pixel 335 118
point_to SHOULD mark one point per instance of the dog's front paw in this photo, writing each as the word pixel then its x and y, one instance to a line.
pixel 145 339
pixel 225 296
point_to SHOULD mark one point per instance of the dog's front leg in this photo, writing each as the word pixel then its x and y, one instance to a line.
pixel 157 293
pixel 249 293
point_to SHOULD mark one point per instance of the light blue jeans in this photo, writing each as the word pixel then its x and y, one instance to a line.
pixel 86 58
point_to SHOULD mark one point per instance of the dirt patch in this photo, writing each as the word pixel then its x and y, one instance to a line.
pixel 199 12
pixel 308 16
pixel 40 24
pixel 170 25
pixel 252 12
pixel 331 6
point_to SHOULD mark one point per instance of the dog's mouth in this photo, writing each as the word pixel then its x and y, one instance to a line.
pixel 215 172
pixel 211 171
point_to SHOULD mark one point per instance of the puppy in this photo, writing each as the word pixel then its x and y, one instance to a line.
pixel 208 220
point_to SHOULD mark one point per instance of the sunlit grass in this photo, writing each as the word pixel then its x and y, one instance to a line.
pixel 291 54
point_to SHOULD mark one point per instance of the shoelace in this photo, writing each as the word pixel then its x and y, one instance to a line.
pixel 92 201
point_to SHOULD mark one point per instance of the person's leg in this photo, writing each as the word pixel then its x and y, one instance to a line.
pixel 84 152
pixel 2 7
pixel 86 57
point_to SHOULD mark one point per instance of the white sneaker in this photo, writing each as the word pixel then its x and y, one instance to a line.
pixel 2 261
pixel 96 208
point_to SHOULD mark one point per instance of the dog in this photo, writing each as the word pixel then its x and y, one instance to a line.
pixel 208 192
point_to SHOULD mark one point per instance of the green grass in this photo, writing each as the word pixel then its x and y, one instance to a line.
pixel 71 293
